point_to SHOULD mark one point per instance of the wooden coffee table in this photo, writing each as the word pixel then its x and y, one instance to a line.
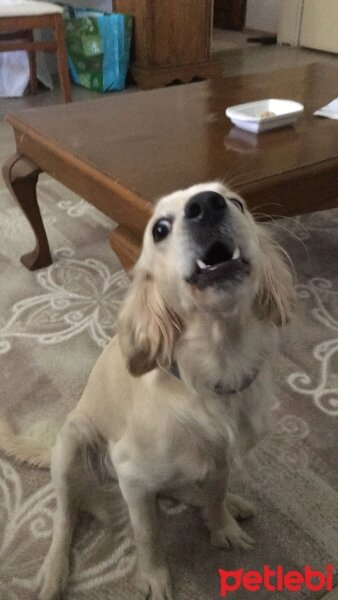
pixel 122 152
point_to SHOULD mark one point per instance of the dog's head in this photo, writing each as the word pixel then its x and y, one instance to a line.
pixel 202 251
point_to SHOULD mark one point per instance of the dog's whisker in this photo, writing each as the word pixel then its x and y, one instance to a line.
pixel 287 256
pixel 274 218
pixel 291 234
pixel 294 220
pixel 237 183
pixel 234 178
pixel 254 208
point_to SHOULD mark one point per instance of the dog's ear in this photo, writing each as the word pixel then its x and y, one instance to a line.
pixel 275 299
pixel 147 327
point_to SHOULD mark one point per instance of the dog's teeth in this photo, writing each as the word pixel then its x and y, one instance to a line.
pixel 236 254
pixel 201 264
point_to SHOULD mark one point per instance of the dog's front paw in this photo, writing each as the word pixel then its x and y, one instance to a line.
pixel 232 536
pixel 52 578
pixel 156 584
pixel 239 507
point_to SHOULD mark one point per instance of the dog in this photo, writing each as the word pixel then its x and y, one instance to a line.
pixel 182 390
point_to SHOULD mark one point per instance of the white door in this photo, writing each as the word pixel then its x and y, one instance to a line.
pixel 319 28
pixel 289 23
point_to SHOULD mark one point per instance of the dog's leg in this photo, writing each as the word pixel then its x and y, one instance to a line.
pixel 239 507
pixel 152 574
pixel 54 573
pixel 191 493
pixel 224 529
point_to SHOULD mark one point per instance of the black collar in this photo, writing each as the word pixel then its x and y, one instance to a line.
pixel 219 388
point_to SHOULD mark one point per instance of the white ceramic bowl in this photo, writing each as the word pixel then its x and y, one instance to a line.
pixel 264 114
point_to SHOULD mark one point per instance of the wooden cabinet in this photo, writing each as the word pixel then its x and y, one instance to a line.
pixel 171 40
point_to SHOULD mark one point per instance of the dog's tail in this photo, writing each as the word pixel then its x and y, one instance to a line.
pixel 27 448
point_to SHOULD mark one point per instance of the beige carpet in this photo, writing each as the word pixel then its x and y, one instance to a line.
pixel 53 325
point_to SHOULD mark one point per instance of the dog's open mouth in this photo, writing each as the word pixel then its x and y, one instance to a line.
pixel 221 262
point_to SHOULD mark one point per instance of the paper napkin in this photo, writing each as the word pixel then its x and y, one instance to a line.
pixel 330 110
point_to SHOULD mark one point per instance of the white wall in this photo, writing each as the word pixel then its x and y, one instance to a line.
pixel 263 14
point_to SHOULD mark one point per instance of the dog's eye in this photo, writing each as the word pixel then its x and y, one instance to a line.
pixel 238 203
pixel 161 229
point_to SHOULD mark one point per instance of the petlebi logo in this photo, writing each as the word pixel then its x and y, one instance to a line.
pixel 275 580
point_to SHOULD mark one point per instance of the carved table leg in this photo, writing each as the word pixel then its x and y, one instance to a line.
pixel 126 245
pixel 21 177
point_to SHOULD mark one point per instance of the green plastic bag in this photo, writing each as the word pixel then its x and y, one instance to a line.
pixel 98 47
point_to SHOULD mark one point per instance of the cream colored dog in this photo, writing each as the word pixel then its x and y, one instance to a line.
pixel 182 389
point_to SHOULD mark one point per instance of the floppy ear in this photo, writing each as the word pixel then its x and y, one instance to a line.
pixel 147 327
pixel 275 299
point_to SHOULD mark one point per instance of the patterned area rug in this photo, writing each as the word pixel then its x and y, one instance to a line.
pixel 53 325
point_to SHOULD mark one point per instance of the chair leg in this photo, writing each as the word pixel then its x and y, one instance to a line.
pixel 62 58
pixel 32 65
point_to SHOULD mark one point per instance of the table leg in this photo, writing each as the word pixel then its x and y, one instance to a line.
pixel 126 245
pixel 21 177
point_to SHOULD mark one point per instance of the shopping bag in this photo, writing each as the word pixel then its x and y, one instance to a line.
pixel 98 47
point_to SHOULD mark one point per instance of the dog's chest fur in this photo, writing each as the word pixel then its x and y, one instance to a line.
pixel 223 355
pixel 193 435
pixel 189 440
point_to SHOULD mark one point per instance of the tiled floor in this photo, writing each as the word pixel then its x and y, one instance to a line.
pixel 225 39
pixel 269 58
pixel 46 97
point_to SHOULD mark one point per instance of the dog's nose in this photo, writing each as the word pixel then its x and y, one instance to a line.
pixel 205 207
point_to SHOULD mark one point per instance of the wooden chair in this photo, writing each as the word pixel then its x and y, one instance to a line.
pixel 17 23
